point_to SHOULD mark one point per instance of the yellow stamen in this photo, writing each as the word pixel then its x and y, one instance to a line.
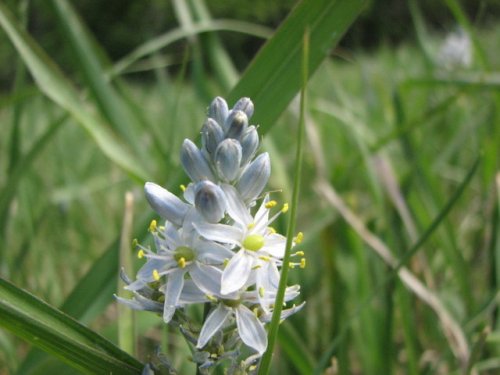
pixel 271 204
pixel 299 238
pixel 183 187
pixel 213 355
pixel 152 226
pixel 211 298
pixel 135 243
pixel 156 275
pixel 264 258
pixel 271 230
pixel 303 263
pixel 256 267
pixel 226 261
pixel 285 208
pixel 140 254
pixel 291 265
pixel 299 253
pixel 162 228
pixel 252 368
pixel 182 262
pixel 261 292
pixel 251 226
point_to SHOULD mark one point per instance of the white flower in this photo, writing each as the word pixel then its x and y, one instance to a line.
pixel 260 248
pixel 180 251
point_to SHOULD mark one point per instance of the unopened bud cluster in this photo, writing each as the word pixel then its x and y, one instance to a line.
pixel 217 246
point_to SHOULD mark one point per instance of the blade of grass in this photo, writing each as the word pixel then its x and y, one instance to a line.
pixel 274 77
pixel 44 326
pixel 265 363
pixel 105 96
pixel 451 328
pixel 51 81
pixel 126 321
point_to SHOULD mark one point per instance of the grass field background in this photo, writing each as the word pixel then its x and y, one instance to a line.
pixel 401 163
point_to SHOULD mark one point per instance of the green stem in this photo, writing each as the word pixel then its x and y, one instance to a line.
pixel 273 329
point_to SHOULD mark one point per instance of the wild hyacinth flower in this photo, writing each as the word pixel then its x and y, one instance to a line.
pixel 215 247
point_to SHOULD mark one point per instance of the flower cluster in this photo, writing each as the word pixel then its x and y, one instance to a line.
pixel 217 245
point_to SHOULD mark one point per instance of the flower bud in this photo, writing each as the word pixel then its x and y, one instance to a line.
pixel 249 144
pixel 194 163
pixel 167 205
pixel 228 159
pixel 218 110
pixel 210 201
pixel 245 105
pixel 236 124
pixel 254 178
pixel 211 135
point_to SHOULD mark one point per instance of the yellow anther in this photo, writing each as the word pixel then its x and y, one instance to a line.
pixel 256 267
pixel 183 187
pixel 256 311
pixel 224 264
pixel 251 226
pixel 303 263
pixel 140 254
pixel 264 258
pixel 299 253
pixel 271 204
pixel 285 208
pixel 153 226
pixel 299 238
pixel 213 355
pixel 162 228
pixel 135 243
pixel 182 262
pixel 211 298
pixel 261 292
pixel 291 265
pixel 271 230
pixel 156 275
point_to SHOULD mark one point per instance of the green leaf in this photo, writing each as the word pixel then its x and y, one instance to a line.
pixel 52 83
pixel 55 332
pixel 274 77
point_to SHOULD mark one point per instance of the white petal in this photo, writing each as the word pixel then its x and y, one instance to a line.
pixel 274 245
pixel 191 294
pixel 250 329
pixel 236 273
pixel 219 232
pixel 236 207
pixel 211 252
pixel 146 271
pixel 207 278
pixel 284 314
pixel 189 193
pixel 262 216
pixel 174 289
pixel 214 322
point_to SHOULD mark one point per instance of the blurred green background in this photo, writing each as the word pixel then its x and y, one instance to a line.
pixel 397 115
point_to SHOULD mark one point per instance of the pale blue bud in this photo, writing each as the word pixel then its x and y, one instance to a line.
pixel 249 144
pixel 245 105
pixel 210 201
pixel 211 135
pixel 218 110
pixel 254 178
pixel 227 159
pixel 194 163
pixel 236 124
pixel 167 205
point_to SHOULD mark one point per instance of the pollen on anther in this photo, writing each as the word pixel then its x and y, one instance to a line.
pixel 183 187
pixel 251 226
pixel 299 238
pixel 153 226
pixel 299 253
pixel 140 254
pixel 182 262
pixel 225 262
pixel 285 208
pixel 271 204
pixel 303 263
pixel 291 265
pixel 264 258
pixel 271 230
pixel 156 275
pixel 135 243
pixel 261 292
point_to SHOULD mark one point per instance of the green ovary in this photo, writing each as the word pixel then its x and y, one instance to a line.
pixel 253 242
pixel 184 252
